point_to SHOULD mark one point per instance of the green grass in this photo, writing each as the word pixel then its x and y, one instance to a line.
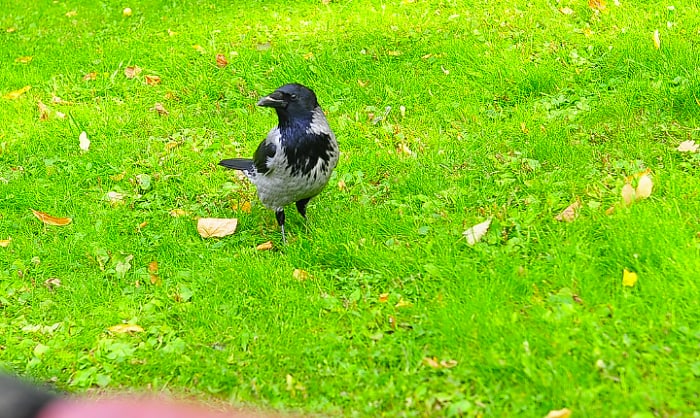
pixel 513 110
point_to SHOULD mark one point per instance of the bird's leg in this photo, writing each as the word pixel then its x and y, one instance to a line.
pixel 301 206
pixel 280 222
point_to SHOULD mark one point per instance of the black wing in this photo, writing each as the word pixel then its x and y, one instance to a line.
pixel 265 150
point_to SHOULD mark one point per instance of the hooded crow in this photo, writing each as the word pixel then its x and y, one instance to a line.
pixel 295 161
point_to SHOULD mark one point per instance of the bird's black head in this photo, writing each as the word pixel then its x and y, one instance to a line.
pixel 291 101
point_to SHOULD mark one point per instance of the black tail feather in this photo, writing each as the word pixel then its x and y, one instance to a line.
pixel 242 164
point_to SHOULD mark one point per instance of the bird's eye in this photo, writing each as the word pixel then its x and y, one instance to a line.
pixel 293 96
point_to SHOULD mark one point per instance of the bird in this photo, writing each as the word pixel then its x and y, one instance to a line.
pixel 295 161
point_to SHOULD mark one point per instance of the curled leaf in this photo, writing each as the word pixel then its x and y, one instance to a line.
pixel 50 220
pixel 221 61
pixel 264 246
pixel 152 80
pixel 476 232
pixel 216 227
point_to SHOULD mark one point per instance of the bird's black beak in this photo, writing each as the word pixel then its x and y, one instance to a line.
pixel 275 100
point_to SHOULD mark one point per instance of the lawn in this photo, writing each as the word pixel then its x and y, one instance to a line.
pixel 448 113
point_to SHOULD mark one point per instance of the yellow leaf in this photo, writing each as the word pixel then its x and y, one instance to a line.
pixel 152 80
pixel 431 362
pixel 17 93
pixel 569 214
pixel 476 232
pixel 657 39
pixel 566 11
pixel 245 207
pixel 90 76
pixel 644 187
pixel 153 272
pixel 383 297
pixel 301 275
pixel 216 227
pixel 629 278
pixel 24 60
pixel 4 243
pixel 132 71
pixel 448 364
pixel 71 13
pixel 403 303
pixel 597 4
pixel 43 110
pixel 264 246
pixel 628 194
pixel 559 413
pixel 158 107
pixel 50 220
pixel 127 11
pixel 52 283
pixel 124 328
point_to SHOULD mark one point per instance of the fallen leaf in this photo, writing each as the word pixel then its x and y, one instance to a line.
pixel 126 12
pixel 644 187
pixel 569 214
pixel 448 364
pixel 11 30
pixel 476 232
pixel 115 197
pixel 43 110
pixel 158 107
pixel 597 4
pixel 124 328
pixel 221 60
pixel 342 186
pixel 308 55
pixel 90 76
pixel 688 146
pixel 50 220
pixel 142 225
pixel 559 413
pixel 657 39
pixel 71 13
pixel 152 80
pixel 24 60
pixel 363 83
pixel 132 71
pixel 431 362
pixel 245 207
pixel 383 298
pixel 52 283
pixel 404 149
pixel 4 243
pixel 16 94
pixel 216 227
pixel 84 141
pixel 153 272
pixel 403 303
pixel 629 278
pixel 394 53
pixel 117 177
pixel 200 49
pixel 627 194
pixel 264 246
pixel 301 275
pixel 176 213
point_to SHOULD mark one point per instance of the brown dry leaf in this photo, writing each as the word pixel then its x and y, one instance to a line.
pixel 124 328
pixel 43 110
pixel 52 283
pixel 24 60
pixel 132 71
pixel 158 107
pixel 176 213
pixel 153 272
pixel 4 243
pixel 16 94
pixel 301 275
pixel 216 227
pixel 569 214
pixel 431 362
pixel 90 76
pixel 142 225
pixel 221 60
pixel 559 413
pixel 152 80
pixel 383 298
pixel 597 4
pixel 264 246
pixel 50 220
